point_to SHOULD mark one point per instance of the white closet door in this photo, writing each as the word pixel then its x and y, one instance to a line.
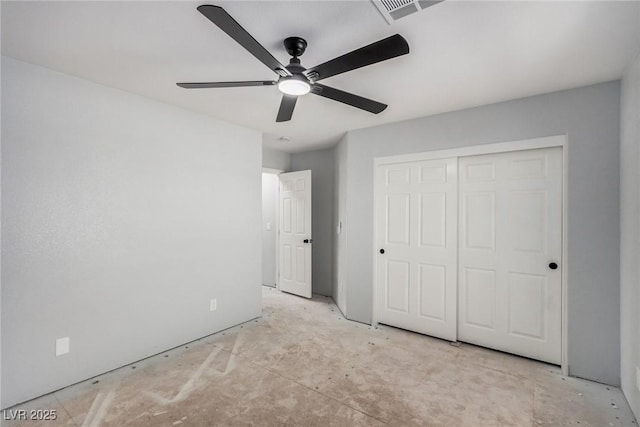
pixel 510 230
pixel 295 233
pixel 416 230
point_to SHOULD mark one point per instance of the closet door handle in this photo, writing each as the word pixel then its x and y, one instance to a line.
pixel 553 265
pixel 382 251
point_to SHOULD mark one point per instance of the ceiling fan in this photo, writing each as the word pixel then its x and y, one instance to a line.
pixel 295 80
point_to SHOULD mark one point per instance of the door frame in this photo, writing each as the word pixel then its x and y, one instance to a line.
pixel 276 172
pixel 493 148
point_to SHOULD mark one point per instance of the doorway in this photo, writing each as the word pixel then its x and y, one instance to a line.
pixel 270 183
pixel 286 231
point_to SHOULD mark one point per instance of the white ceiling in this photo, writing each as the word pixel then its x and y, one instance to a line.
pixel 463 54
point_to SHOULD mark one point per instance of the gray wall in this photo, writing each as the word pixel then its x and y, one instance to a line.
pixel 630 234
pixel 340 220
pixel 121 218
pixel 274 159
pixel 270 184
pixel 590 117
pixel 320 163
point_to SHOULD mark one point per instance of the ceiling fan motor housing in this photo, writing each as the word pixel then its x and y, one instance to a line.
pixel 295 46
pixel 294 66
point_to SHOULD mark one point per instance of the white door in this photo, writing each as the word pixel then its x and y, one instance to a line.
pixel 295 233
pixel 416 242
pixel 510 231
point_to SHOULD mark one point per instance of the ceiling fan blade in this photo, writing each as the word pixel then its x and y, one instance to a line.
pixel 226 84
pixel 348 98
pixel 379 51
pixel 286 108
pixel 226 23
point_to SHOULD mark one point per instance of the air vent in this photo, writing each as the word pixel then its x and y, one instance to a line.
pixel 392 10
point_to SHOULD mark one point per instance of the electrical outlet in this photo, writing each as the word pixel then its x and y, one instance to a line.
pixel 638 378
pixel 62 346
pixel 213 304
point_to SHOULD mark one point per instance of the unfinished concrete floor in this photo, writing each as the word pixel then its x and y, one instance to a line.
pixel 303 364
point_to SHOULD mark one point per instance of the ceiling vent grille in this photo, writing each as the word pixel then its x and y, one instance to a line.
pixel 392 10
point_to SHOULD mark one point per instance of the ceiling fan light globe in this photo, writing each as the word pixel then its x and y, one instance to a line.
pixel 294 86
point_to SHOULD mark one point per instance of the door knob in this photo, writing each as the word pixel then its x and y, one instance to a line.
pixel 307 241
pixel 553 265
pixel 381 251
